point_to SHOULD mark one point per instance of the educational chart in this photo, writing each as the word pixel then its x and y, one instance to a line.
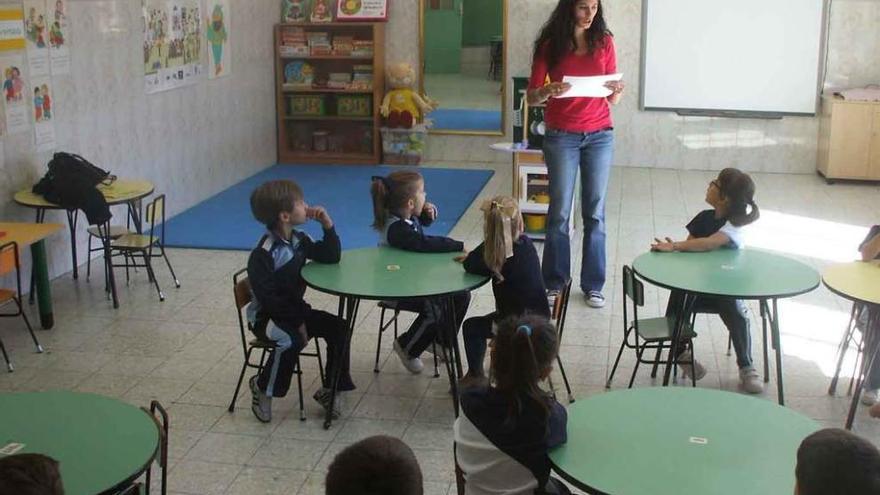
pixel 172 44
pixel 36 37
pixel 11 29
pixel 59 28
pixel 44 127
pixel 15 94
pixel 217 35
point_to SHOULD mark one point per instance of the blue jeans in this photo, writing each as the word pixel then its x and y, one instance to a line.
pixel 566 153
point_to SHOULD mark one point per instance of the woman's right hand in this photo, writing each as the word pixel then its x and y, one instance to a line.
pixel 556 89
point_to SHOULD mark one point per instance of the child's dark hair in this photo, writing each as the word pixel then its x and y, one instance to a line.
pixel 391 193
pixel 30 474
pixel 557 34
pixel 379 465
pixel 836 461
pixel 273 197
pixel 738 188
pixel 523 350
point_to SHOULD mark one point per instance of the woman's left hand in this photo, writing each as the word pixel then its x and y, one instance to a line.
pixel 616 87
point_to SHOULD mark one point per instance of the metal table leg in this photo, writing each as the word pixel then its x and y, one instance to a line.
pixel 347 310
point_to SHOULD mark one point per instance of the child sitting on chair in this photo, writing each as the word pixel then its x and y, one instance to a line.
pixel 731 196
pixel 510 258
pixel 279 312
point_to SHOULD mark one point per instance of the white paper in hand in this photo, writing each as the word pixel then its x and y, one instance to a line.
pixel 590 87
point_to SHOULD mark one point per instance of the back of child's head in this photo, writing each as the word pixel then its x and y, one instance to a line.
pixel 739 189
pixel 271 198
pixel 379 465
pixel 391 193
pixel 30 474
pixel 837 461
pixel 522 354
pixel 501 227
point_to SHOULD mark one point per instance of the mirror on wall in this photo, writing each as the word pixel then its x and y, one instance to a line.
pixel 463 64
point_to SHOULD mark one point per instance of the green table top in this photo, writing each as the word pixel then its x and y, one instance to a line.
pixel 384 273
pixel 98 441
pixel 857 281
pixel 661 441
pixel 740 273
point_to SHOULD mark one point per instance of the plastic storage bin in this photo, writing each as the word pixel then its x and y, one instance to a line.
pixel 404 146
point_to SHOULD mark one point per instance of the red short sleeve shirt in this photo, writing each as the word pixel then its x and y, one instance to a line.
pixel 576 114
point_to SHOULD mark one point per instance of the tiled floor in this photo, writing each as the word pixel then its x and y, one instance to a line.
pixel 185 351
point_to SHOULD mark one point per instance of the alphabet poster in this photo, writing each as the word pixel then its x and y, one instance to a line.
pixel 217 35
pixel 172 44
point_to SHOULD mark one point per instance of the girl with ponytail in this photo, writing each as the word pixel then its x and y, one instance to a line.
pixel 510 258
pixel 732 198
pixel 507 427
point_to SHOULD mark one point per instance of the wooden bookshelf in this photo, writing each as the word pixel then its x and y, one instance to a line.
pixel 352 139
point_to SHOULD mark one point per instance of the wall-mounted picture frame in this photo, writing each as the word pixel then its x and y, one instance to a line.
pixel 362 10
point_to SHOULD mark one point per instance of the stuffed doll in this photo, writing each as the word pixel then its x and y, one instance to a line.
pixel 402 106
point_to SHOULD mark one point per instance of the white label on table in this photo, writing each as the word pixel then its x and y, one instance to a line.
pixel 11 448
pixel 699 440
pixel 727 267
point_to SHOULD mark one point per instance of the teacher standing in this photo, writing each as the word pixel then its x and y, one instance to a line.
pixel 579 137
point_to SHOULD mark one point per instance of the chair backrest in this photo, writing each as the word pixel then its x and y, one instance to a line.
pixel 155 214
pixel 241 292
pixel 560 308
pixel 9 262
pixel 633 289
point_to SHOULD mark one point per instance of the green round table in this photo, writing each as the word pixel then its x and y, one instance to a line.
pixel 102 444
pixel 859 282
pixel 385 273
pixel 650 441
pixel 738 273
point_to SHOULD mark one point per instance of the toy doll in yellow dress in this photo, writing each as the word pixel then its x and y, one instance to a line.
pixel 403 107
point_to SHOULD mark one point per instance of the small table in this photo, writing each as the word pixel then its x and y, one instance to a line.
pixel 385 273
pixel 33 234
pixel 859 281
pixel 738 273
pixel 102 444
pixel 128 192
pixel 680 440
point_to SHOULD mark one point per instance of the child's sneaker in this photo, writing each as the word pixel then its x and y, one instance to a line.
pixel 595 299
pixel 870 397
pixel 697 370
pixel 322 396
pixel 751 380
pixel 261 405
pixel 413 364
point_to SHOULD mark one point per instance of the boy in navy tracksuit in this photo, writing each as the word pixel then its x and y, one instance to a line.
pixel 278 311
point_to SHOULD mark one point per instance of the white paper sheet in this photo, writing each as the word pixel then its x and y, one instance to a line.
pixel 592 86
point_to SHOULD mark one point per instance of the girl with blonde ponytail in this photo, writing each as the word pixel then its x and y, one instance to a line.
pixel 510 258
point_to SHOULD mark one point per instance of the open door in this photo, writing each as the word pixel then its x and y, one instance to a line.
pixel 443 31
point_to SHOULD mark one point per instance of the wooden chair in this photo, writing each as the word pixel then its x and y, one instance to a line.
pixel 650 333
pixel 133 244
pixel 243 295
pixel 9 262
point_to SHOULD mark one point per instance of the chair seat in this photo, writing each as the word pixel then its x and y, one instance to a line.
pixel 134 241
pixel 660 329
pixel 116 231
pixel 6 295
pixel 262 344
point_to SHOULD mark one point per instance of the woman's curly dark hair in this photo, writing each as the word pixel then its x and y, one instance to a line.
pixel 558 33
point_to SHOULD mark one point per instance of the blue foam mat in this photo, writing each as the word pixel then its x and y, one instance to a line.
pixel 465 119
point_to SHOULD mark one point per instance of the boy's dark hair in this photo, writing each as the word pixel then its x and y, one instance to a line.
pixel 523 348
pixel 836 461
pixel 30 474
pixel 379 465
pixel 273 197
pixel 391 193
pixel 738 188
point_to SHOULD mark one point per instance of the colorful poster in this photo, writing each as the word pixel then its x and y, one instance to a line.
pixel 362 10
pixel 59 30
pixel 11 29
pixel 43 105
pixel 15 95
pixel 217 34
pixel 172 44
pixel 37 37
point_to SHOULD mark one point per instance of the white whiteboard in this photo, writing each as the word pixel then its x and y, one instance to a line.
pixel 737 56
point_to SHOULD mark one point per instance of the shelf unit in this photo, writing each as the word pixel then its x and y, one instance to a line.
pixel 849 140
pixel 357 138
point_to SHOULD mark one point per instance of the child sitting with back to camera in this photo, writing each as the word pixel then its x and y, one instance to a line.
pixel 400 213
pixel 510 258
pixel 731 196
pixel 278 311
pixel 507 427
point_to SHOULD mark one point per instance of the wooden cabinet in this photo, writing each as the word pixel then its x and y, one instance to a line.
pixel 849 140
pixel 330 80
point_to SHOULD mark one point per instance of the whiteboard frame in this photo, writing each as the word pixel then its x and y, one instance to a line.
pixel 727 113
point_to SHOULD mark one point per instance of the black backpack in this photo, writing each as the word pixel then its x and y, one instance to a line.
pixel 70 183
